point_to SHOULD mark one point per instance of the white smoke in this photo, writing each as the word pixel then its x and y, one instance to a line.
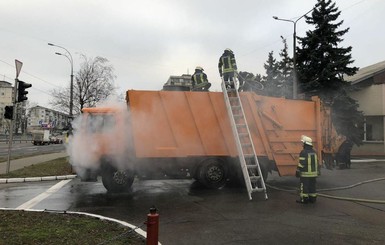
pixel 97 136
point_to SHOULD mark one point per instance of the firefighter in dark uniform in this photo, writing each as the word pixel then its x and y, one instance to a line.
pixel 227 67
pixel 199 80
pixel 307 171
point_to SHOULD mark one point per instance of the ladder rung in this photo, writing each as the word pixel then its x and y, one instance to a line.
pixel 249 155
pixel 241 125
pixel 245 145
pixel 254 166
pixel 254 178
pixel 257 189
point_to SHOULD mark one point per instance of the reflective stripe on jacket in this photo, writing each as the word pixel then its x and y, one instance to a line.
pixel 227 62
pixel 308 163
pixel 198 78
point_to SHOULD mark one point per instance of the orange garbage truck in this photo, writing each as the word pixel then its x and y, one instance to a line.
pixel 184 134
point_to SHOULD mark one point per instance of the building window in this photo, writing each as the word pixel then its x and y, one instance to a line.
pixel 374 129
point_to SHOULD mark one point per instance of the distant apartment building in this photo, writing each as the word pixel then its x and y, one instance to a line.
pixel 182 82
pixel 39 116
pixel 6 98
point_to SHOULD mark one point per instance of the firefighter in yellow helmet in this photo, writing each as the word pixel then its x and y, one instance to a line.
pixel 227 67
pixel 199 80
pixel 307 171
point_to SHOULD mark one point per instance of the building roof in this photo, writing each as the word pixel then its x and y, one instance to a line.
pixel 45 108
pixel 366 72
pixel 5 84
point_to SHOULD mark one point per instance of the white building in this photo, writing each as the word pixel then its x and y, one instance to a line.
pixel 39 116
pixel 6 98
pixel 369 91
pixel 183 82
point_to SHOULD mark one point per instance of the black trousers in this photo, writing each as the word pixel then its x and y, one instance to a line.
pixel 307 189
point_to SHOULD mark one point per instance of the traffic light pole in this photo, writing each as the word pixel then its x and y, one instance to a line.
pixel 10 140
pixel 18 65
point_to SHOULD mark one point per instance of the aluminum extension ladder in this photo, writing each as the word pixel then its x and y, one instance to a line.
pixel 251 169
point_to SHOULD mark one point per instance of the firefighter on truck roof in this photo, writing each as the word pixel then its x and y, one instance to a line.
pixel 227 67
pixel 199 80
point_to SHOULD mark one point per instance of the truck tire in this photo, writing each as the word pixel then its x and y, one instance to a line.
pixel 117 180
pixel 213 173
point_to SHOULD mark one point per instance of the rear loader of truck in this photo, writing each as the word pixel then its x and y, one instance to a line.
pixel 174 134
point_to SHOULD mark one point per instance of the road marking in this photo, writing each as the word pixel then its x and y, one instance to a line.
pixel 44 195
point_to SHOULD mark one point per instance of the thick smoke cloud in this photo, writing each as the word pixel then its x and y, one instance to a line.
pixel 100 135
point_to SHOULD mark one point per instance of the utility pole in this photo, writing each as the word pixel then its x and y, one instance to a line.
pixel 18 64
pixel 69 57
pixel 295 74
pixel 19 95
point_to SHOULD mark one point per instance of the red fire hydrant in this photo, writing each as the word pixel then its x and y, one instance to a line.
pixel 152 227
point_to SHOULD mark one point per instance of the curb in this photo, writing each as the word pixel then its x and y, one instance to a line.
pixel 35 179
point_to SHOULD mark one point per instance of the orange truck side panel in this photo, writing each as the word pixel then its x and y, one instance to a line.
pixel 180 124
pixel 183 124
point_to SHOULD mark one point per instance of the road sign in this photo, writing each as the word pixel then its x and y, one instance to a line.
pixel 18 64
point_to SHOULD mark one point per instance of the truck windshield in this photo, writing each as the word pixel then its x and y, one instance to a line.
pixel 100 122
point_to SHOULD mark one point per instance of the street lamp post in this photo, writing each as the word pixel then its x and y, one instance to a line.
pixel 295 77
pixel 69 57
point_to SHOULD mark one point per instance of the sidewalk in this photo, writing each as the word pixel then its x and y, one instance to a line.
pixel 28 161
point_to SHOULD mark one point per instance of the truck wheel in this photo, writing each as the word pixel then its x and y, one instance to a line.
pixel 213 173
pixel 117 180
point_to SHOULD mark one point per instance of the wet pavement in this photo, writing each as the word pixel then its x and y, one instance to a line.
pixel 191 214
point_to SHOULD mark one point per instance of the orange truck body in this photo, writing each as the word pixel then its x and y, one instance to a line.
pixel 192 131
pixel 185 124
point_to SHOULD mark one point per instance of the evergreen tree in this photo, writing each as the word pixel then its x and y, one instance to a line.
pixel 347 119
pixel 321 65
pixel 271 81
pixel 285 67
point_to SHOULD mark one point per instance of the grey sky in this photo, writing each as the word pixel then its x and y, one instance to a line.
pixel 147 41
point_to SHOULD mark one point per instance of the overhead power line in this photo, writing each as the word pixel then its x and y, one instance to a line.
pixel 31 75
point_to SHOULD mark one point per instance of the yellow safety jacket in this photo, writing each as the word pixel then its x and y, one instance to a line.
pixel 308 163
pixel 227 63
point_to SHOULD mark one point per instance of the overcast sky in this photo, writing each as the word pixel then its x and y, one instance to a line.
pixel 147 41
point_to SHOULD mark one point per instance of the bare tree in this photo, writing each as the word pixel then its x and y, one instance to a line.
pixel 93 83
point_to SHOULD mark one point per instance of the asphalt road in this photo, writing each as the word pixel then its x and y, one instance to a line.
pixel 27 148
pixel 191 214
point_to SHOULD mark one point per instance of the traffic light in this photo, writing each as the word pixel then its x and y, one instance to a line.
pixel 8 114
pixel 21 87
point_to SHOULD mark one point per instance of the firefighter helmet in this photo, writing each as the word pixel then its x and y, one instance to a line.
pixel 199 68
pixel 306 140
pixel 229 50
